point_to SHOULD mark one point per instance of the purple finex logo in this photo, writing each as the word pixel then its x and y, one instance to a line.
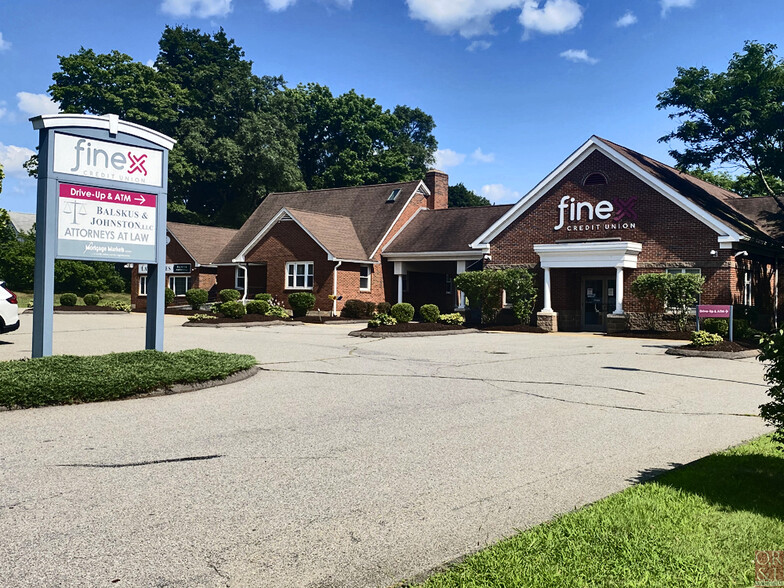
pixel 625 208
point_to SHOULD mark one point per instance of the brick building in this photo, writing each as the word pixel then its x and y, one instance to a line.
pixel 190 255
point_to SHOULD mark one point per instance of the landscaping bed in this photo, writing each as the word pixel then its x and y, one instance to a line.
pixel 415 328
pixel 697 525
pixel 70 379
pixel 640 334
pixel 82 308
pixel 512 328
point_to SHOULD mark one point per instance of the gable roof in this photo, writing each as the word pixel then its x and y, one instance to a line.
pixel 202 243
pixel 447 229
pixel 715 207
pixel 22 221
pixel 366 207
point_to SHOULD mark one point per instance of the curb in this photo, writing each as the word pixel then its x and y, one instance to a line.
pixel 173 389
pixel 208 324
pixel 713 354
pixel 384 335
pixel 78 312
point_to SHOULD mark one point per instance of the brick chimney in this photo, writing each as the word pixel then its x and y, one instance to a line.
pixel 438 184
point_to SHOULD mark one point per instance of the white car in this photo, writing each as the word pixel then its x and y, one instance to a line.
pixel 9 311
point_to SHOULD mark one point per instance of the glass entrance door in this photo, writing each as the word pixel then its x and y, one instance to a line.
pixel 598 298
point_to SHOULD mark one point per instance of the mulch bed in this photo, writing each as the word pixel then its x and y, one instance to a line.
pixel 512 328
pixel 681 335
pixel 86 309
pixel 260 318
pixel 414 328
pixel 728 346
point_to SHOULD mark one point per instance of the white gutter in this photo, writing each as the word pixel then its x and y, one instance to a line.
pixel 245 289
pixel 335 288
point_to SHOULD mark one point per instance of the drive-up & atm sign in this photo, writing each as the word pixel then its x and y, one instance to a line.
pixel 102 186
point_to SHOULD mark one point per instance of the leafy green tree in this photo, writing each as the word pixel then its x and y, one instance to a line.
pixel 732 117
pixel 2 177
pixel 520 292
pixel 651 291
pixel 462 197
pixel 772 353
pixel 747 185
pixel 483 290
pixel 683 292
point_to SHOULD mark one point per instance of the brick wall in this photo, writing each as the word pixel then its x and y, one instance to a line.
pixel 175 253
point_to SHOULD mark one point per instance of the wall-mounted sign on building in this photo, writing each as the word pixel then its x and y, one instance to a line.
pixel 606 215
pixel 101 197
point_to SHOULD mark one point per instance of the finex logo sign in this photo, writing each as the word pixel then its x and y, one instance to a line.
pixel 618 214
pixel 93 158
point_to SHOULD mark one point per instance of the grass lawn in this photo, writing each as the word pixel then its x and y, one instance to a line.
pixel 698 525
pixel 68 379
pixel 25 298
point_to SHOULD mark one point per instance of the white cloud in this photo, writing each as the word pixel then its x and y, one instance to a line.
pixel 470 18
pixel 3 109
pixel 481 157
pixel 666 5
pixel 551 18
pixel 12 158
pixel 280 5
pixel 35 104
pixel 499 194
pixel 627 20
pixel 198 8
pixel 4 44
pixel 479 46
pixel 446 158
pixel 579 56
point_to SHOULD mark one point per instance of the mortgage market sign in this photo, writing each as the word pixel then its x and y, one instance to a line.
pixel 102 185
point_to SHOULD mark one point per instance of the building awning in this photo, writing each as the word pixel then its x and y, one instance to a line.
pixel 617 254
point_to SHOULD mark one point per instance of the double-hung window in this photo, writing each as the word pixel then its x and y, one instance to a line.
pixel 239 278
pixel 142 285
pixel 180 284
pixel 299 275
pixel 364 278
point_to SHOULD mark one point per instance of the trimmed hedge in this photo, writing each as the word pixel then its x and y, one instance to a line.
pixel 91 299
pixel 68 299
pixel 301 303
pixel 257 307
pixel 383 307
pixel 357 309
pixel 263 296
pixel 168 296
pixel 233 309
pixel 429 313
pixel 402 312
pixel 228 295
pixel 196 297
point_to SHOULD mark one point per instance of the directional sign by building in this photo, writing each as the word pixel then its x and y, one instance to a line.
pixel 105 224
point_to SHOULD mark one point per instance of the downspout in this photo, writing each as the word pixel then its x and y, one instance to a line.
pixel 245 289
pixel 335 288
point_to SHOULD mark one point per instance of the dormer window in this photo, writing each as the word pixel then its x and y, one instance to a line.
pixel 393 196
pixel 595 179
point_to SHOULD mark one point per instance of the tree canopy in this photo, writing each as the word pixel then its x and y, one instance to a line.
pixel 462 197
pixel 240 136
pixel 735 117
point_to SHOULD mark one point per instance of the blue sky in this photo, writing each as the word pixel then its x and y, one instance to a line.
pixel 513 85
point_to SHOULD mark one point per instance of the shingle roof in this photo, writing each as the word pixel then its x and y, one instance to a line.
pixel 448 229
pixel 336 233
pixel 763 212
pixel 723 204
pixel 366 206
pixel 203 243
pixel 22 221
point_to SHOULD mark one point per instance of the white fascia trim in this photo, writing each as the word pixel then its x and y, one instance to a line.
pixel 403 228
pixel 359 261
pixel 173 236
pixel 531 197
pixel 420 185
pixel 435 256
pixel 594 144
pixel 107 122
pixel 589 254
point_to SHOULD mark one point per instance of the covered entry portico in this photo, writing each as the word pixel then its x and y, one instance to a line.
pixel 598 255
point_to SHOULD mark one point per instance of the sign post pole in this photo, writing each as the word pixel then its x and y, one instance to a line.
pixel 732 311
pixel 156 276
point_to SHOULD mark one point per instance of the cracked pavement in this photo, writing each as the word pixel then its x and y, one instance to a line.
pixel 345 461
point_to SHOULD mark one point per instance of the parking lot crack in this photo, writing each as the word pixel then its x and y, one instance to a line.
pixel 138 463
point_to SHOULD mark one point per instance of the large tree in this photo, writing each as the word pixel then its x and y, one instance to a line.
pixel 460 197
pixel 733 118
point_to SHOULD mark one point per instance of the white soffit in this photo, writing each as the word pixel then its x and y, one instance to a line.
pixel 587 254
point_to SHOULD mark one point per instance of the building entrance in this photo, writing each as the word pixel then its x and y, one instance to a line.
pixel 598 299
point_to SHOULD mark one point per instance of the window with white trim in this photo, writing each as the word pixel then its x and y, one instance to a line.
pixel 142 285
pixel 684 270
pixel 299 275
pixel 364 278
pixel 180 284
pixel 239 278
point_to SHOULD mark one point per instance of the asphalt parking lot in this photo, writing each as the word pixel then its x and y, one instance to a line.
pixel 345 462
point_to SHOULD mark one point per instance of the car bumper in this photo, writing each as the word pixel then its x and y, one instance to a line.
pixel 9 328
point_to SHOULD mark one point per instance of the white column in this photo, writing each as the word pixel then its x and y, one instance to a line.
pixel 461 267
pixel 548 305
pixel 618 290
pixel 399 271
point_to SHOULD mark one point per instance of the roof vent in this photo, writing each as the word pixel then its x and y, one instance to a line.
pixel 393 195
pixel 595 179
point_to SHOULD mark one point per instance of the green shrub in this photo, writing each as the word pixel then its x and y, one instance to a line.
pixel 429 313
pixel 453 318
pixel 301 302
pixel 232 309
pixel 651 291
pixel 196 297
pixel 402 312
pixel 705 339
pixel 228 295
pixel 716 326
pixel 195 318
pixel 682 294
pixel 91 299
pixel 356 309
pixel 483 290
pixel 383 307
pixel 520 293
pixel 772 353
pixel 257 307
pixel 264 296
pixel 743 331
pixel 381 319
pixel 168 296
pixel 68 299
pixel 278 311
pixel 120 305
